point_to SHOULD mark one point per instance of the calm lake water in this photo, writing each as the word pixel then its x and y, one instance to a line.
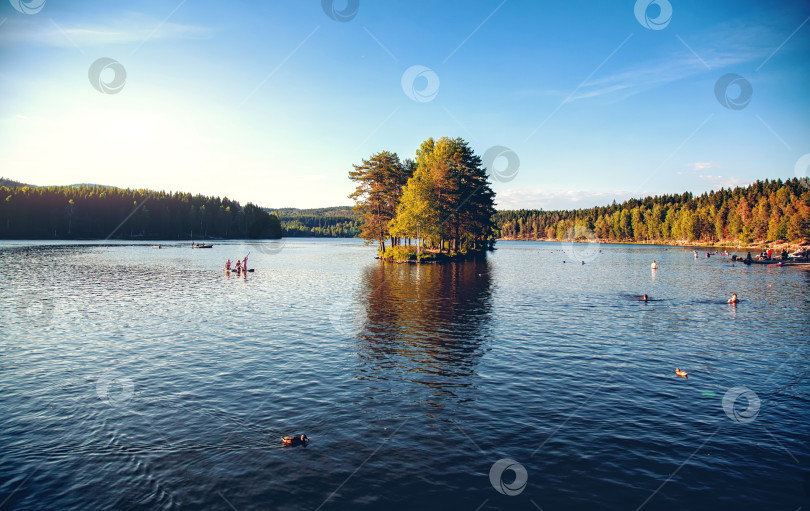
pixel 135 378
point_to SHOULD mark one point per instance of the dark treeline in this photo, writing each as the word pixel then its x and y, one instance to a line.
pixel 766 211
pixel 92 212
pixel 336 222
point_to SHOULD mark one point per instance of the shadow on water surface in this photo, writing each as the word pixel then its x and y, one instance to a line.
pixel 427 326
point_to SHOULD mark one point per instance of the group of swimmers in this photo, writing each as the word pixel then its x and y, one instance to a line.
pixel 733 298
pixel 768 255
pixel 240 265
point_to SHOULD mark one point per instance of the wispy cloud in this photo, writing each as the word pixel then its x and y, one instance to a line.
pixel 727 46
pixel 701 165
pixel 557 199
pixel 717 182
pixel 132 30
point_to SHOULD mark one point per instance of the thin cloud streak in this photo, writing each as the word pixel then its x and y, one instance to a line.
pixel 557 199
pixel 16 32
pixel 722 49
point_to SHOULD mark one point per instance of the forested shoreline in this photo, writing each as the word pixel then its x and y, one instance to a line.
pixel 333 222
pixel 764 212
pixel 99 212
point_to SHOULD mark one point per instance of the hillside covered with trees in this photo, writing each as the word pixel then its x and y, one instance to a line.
pixel 766 211
pixel 97 212
pixel 335 222
pixel 442 199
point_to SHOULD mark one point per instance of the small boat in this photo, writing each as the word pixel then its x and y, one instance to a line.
pixel 156 246
pixel 201 245
pixel 680 373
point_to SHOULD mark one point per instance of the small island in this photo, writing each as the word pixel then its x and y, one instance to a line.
pixel 438 207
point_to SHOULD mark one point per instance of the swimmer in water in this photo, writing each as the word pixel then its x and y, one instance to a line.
pixel 644 298
pixel 654 265
pixel 733 298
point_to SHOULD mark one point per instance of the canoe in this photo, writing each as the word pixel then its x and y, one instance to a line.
pixel 200 245
pixel 779 262
pixel 240 271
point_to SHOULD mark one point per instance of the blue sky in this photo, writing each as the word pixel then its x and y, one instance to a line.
pixel 272 102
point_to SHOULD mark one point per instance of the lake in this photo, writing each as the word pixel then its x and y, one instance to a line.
pixel 137 378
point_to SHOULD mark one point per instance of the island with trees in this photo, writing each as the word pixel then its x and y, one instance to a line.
pixel 436 207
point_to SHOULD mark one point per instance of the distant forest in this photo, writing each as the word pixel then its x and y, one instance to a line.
pixel 766 211
pixel 335 222
pixel 93 212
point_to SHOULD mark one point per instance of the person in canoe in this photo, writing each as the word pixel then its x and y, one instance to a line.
pixel 228 265
pixel 244 264
pixel 734 298
pixel 238 265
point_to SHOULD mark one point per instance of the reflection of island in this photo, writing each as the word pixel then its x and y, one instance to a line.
pixel 426 324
